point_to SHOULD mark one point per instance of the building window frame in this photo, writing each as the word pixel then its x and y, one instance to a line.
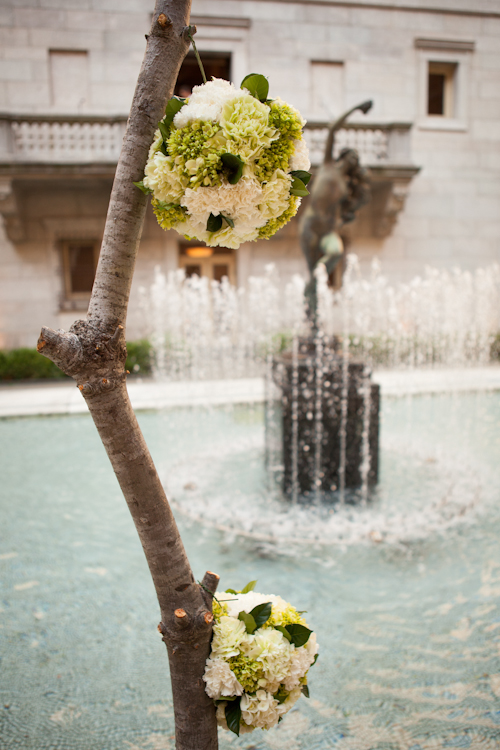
pixel 453 60
pixel 76 299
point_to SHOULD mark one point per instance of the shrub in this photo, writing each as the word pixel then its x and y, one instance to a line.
pixel 28 364
pixel 139 354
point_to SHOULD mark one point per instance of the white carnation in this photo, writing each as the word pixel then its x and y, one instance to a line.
pixel 239 202
pixel 220 680
pixel 163 179
pixel 260 710
pixel 300 158
pixel 275 195
pixel 206 102
pixel 156 145
pixel 229 634
pixel 270 648
pixel 237 603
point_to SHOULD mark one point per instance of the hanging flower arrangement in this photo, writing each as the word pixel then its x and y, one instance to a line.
pixel 227 165
pixel 261 652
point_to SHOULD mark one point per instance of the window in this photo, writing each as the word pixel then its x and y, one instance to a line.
pixel 68 80
pixel 79 267
pixel 327 89
pixel 217 64
pixel 443 66
pixel 441 89
pixel 214 262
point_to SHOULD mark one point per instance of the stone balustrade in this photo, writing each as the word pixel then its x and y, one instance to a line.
pixel 375 143
pixel 85 139
pixel 60 140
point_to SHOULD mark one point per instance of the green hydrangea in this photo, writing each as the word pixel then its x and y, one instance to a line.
pixel 168 214
pixel 218 610
pixel 289 616
pixel 285 119
pixel 248 672
pixel 197 152
pixel 273 225
pixel 275 157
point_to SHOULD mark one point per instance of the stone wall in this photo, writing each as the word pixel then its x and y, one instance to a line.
pixel 321 57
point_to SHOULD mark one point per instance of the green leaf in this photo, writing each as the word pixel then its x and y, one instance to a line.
pixel 256 85
pixel 261 613
pixel 305 691
pixel 281 695
pixel 234 166
pixel 142 187
pixel 233 716
pixel 174 104
pixel 249 621
pixel 164 130
pixel 298 188
pixel 231 224
pixel 284 631
pixel 315 660
pixel 299 634
pixel 231 591
pixel 214 223
pixel 249 587
pixel 302 175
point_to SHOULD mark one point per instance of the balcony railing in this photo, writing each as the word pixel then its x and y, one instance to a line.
pixel 38 139
pixel 376 143
pixel 60 140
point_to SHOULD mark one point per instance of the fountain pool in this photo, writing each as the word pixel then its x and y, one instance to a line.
pixel 404 591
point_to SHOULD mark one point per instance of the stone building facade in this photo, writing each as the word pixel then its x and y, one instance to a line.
pixel 432 139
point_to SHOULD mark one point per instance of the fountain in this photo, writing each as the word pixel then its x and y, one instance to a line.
pixel 403 587
pixel 330 407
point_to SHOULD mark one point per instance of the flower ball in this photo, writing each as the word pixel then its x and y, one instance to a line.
pixel 228 165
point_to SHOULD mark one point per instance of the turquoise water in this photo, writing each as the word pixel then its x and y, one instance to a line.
pixel 405 598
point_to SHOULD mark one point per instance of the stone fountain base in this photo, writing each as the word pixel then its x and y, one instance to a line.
pixel 330 419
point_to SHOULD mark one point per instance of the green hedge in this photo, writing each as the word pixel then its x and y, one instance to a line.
pixel 28 364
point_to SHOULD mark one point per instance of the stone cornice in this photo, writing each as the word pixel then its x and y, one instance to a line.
pixel 358 4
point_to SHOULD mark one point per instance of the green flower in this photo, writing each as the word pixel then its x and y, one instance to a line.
pixel 286 119
pixel 196 151
pixel 218 610
pixel 266 232
pixel 277 156
pixel 245 123
pixel 168 215
pixel 248 672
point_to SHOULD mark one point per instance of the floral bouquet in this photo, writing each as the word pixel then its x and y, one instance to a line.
pixel 227 165
pixel 261 652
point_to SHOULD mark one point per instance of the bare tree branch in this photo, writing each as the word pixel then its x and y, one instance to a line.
pixel 94 354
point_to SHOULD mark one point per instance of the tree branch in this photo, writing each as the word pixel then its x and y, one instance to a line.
pixel 94 354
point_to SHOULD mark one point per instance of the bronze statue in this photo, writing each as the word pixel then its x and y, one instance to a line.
pixel 340 188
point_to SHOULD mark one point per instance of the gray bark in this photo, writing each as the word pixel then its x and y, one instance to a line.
pixel 94 353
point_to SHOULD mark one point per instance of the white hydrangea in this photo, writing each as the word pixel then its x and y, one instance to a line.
pixel 206 102
pixel 229 634
pixel 220 680
pixel 290 701
pixel 300 158
pixel 221 719
pixel 301 660
pixel 260 710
